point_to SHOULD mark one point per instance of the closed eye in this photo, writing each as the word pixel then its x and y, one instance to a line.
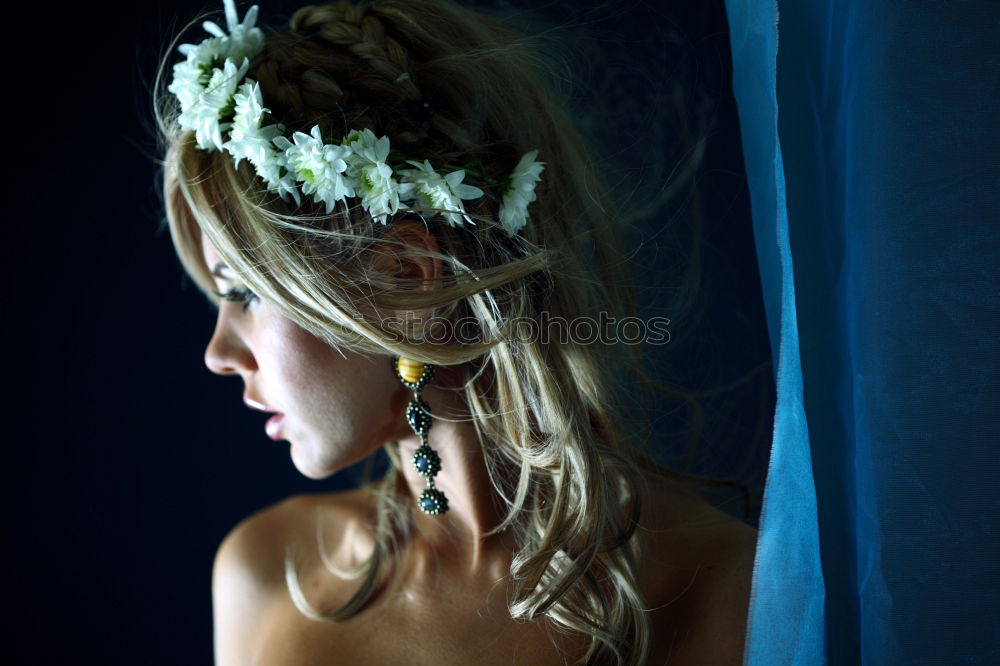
pixel 239 295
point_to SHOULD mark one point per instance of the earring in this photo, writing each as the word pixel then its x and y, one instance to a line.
pixel 415 375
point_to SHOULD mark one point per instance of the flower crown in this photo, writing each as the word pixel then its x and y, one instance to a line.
pixel 226 111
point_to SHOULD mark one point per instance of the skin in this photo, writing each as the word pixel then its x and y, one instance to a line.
pixel 450 597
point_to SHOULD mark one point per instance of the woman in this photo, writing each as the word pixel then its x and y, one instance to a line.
pixel 391 209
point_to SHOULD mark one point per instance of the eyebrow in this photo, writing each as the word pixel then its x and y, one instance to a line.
pixel 222 271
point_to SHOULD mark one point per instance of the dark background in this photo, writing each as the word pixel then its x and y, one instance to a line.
pixel 128 461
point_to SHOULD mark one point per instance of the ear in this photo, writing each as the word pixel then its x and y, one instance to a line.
pixel 402 253
pixel 408 260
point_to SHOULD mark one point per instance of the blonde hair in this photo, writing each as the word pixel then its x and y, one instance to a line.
pixel 455 86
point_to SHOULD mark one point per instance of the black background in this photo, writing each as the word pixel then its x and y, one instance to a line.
pixel 127 460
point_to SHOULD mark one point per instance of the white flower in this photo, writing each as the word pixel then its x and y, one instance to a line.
pixel 248 140
pixel 445 194
pixel 245 40
pixel 205 81
pixel 373 177
pixel 320 167
pixel 366 146
pixel 520 192
pixel 192 73
pixel 280 178
pixel 203 115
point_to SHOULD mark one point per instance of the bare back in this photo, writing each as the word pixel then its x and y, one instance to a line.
pixel 695 575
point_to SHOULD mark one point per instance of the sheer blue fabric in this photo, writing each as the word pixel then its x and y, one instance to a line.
pixel 870 137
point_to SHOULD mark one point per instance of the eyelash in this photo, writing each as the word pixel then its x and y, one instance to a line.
pixel 239 295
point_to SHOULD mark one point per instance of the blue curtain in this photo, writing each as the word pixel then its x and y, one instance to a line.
pixel 870 137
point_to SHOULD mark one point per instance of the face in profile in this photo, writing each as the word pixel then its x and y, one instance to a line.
pixel 333 409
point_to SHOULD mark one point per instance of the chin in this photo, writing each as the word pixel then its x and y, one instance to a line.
pixel 312 469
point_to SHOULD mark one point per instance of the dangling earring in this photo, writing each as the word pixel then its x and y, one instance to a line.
pixel 415 375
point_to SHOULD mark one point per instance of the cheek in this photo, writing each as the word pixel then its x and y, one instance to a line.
pixel 353 401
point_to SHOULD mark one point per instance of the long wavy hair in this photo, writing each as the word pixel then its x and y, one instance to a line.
pixel 556 420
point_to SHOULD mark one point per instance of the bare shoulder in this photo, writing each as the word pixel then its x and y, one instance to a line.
pixel 719 612
pixel 258 543
pixel 703 594
pixel 248 574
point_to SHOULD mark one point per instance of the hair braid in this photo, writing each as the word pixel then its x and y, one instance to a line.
pixel 341 67
pixel 342 24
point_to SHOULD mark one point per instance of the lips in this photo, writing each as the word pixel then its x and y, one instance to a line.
pixel 256 404
pixel 273 425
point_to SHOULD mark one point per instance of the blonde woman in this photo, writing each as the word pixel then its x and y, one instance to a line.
pixel 392 210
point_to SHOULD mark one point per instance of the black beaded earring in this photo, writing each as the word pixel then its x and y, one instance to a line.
pixel 415 375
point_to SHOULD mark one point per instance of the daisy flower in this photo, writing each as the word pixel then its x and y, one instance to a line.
pixel 249 140
pixel 207 78
pixel 433 191
pixel 319 167
pixel 204 115
pixel 244 40
pixel 520 192
pixel 378 190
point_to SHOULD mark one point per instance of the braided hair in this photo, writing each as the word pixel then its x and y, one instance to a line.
pixel 343 66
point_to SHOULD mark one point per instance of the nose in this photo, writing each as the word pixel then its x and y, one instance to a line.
pixel 226 353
